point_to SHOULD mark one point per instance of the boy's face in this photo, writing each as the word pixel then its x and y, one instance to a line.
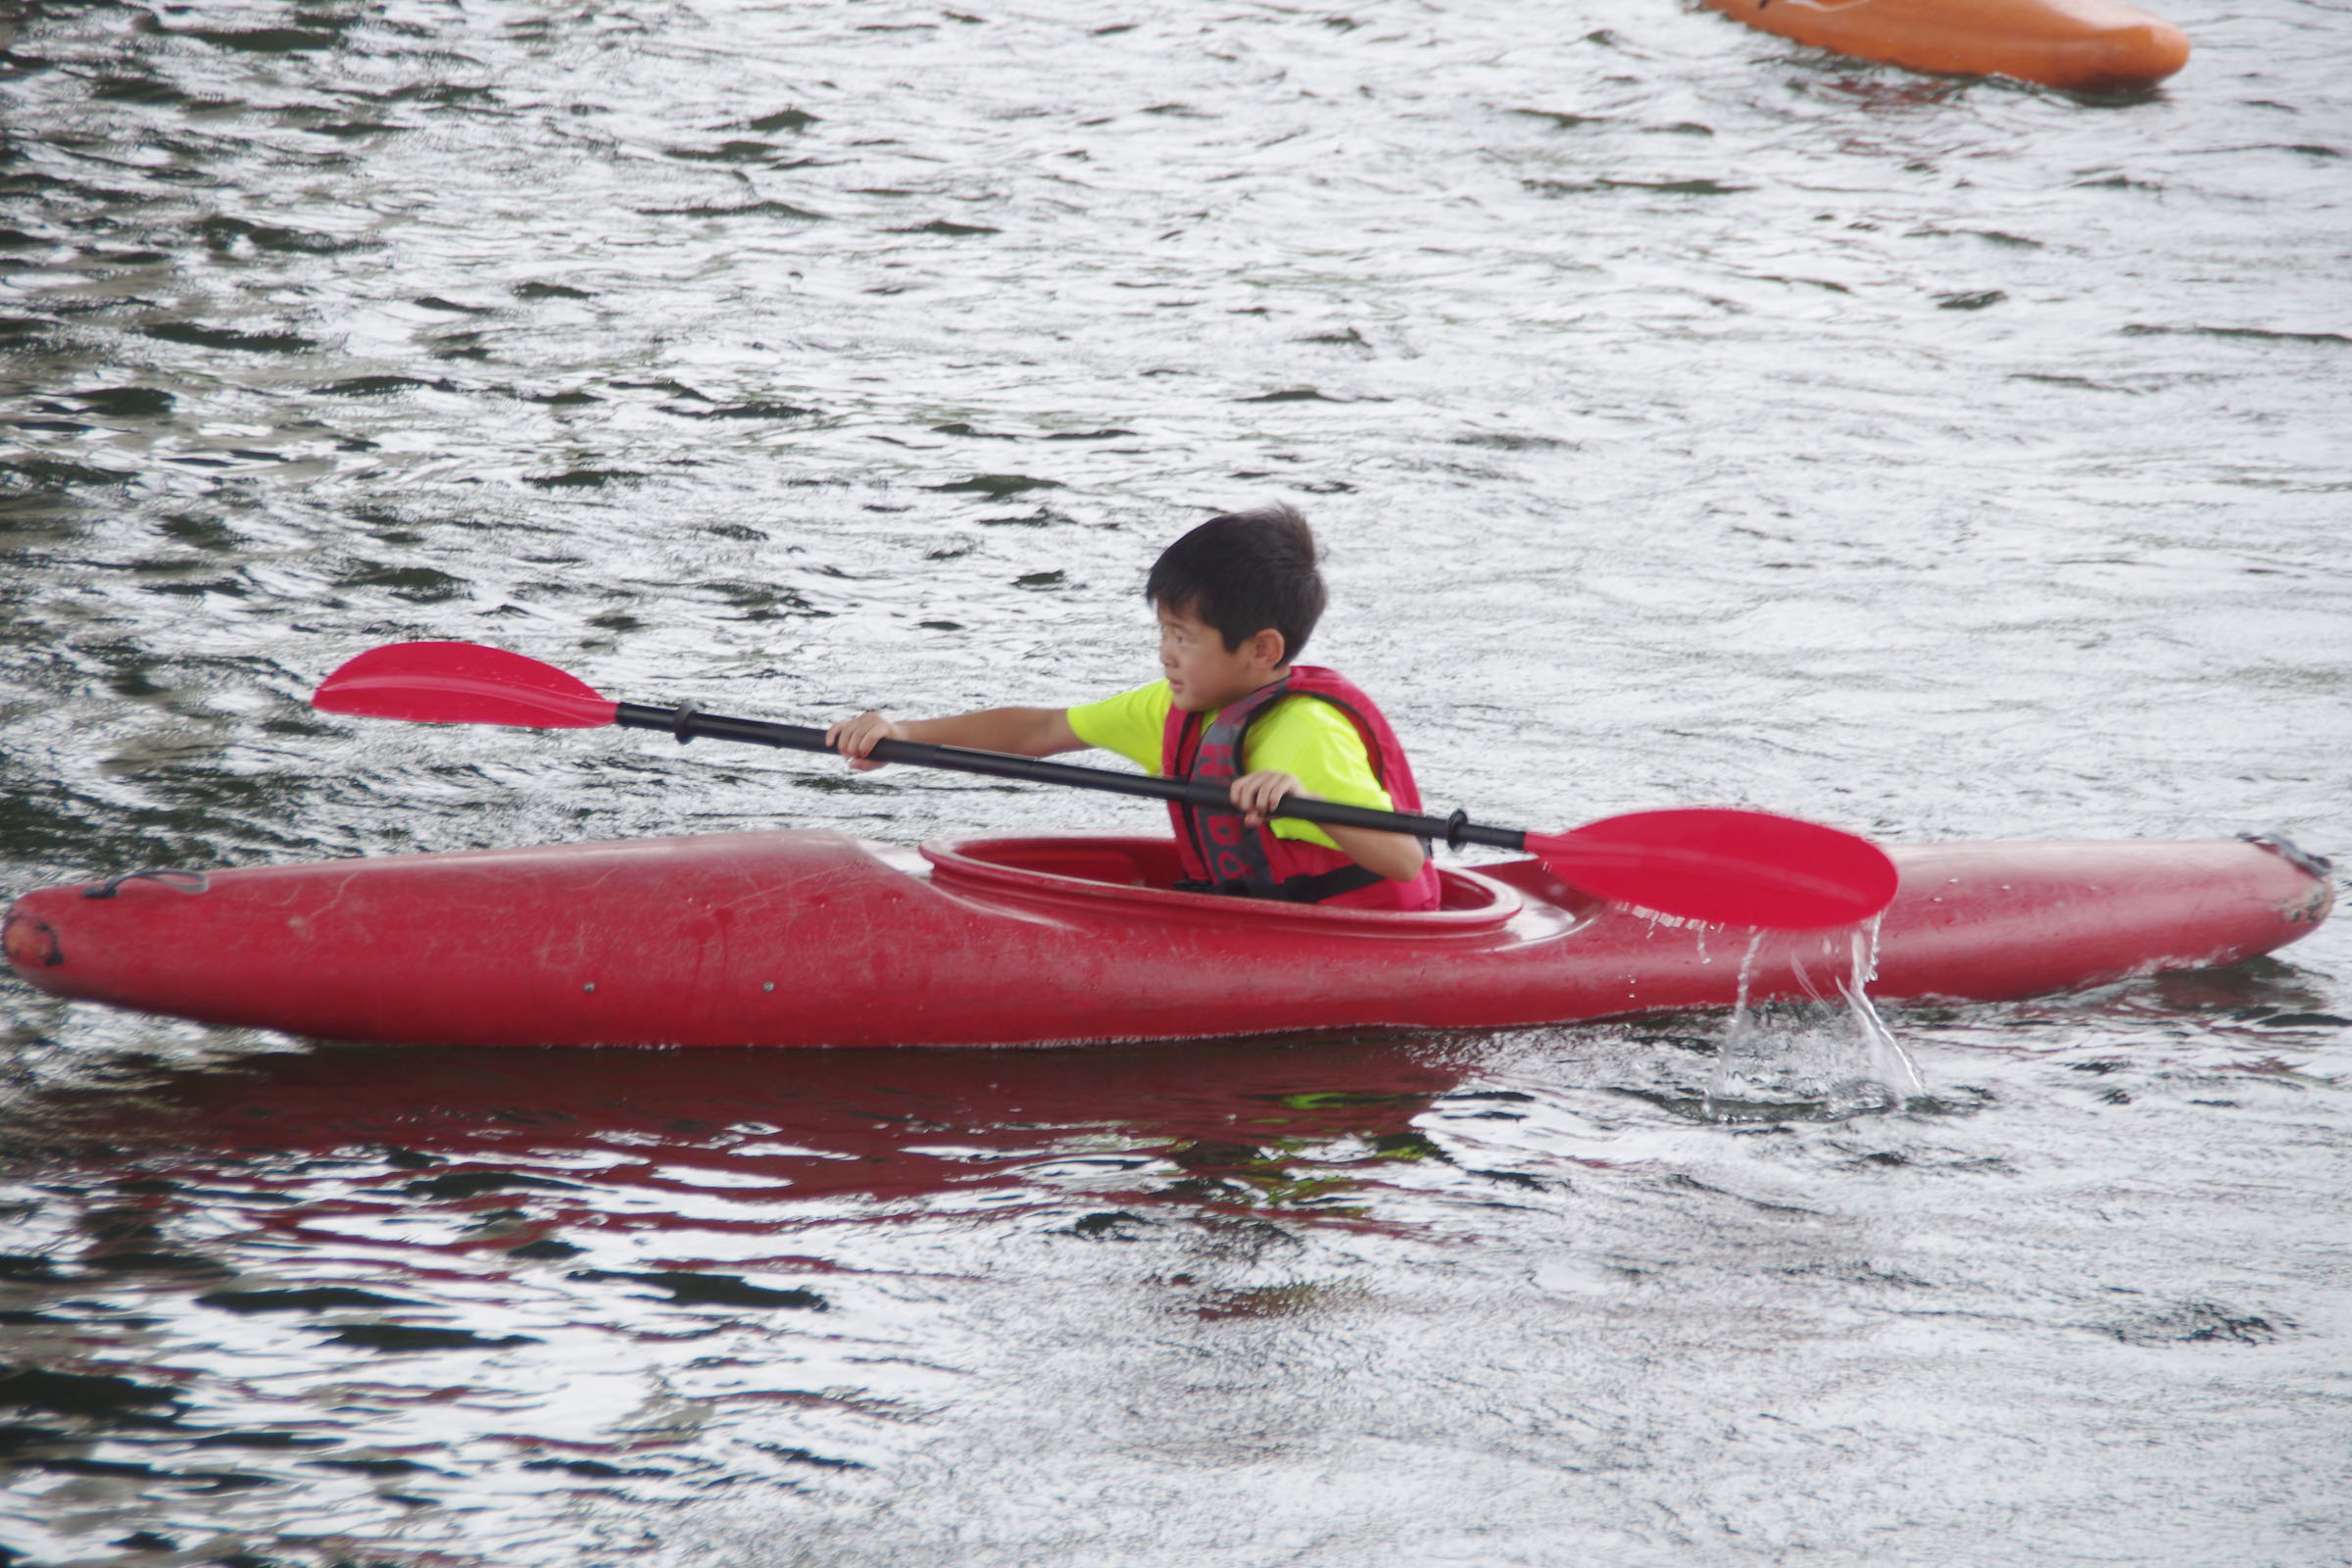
pixel 1203 673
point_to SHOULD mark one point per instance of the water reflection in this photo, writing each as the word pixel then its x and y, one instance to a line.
pixel 472 1231
pixel 810 1124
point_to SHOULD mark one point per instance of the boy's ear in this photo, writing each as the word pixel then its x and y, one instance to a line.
pixel 1269 645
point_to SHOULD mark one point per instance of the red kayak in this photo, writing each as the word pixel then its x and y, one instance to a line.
pixel 813 939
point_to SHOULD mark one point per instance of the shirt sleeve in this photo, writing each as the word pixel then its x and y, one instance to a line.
pixel 1132 723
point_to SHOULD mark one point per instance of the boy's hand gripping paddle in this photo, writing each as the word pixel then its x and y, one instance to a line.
pixel 1720 866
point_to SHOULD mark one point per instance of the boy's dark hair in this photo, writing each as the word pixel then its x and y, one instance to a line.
pixel 1242 572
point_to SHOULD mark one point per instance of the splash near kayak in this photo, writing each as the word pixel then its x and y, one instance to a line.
pixel 816 939
pixel 2076 45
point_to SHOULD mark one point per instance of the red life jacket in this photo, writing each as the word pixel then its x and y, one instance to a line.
pixel 1220 852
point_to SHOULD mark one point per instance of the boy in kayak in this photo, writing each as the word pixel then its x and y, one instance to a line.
pixel 1237 599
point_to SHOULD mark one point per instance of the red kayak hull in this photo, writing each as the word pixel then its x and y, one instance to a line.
pixel 813 939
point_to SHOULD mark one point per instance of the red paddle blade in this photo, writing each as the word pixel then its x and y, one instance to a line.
pixel 461 683
pixel 1725 867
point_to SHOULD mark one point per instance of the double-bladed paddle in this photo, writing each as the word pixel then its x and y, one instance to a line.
pixel 1718 865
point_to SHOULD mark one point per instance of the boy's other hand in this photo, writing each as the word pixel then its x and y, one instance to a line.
pixel 1256 794
pixel 855 738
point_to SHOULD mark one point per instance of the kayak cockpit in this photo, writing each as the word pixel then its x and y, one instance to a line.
pixel 1142 873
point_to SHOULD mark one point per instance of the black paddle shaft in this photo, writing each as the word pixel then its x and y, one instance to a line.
pixel 688 723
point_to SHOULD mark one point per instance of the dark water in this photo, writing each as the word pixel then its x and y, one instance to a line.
pixel 1689 416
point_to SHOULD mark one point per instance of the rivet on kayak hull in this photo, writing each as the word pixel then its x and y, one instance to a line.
pixel 590 986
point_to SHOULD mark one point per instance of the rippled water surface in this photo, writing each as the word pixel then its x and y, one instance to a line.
pixel 1689 417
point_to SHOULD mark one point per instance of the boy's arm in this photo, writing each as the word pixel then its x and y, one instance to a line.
pixel 1395 855
pixel 1022 731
